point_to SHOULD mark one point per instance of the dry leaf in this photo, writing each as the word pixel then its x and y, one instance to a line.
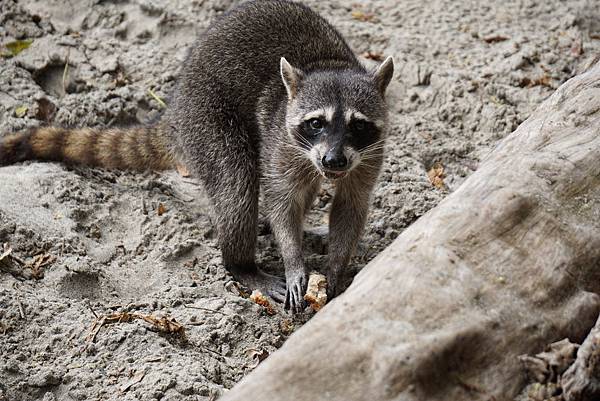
pixel 182 170
pixel 164 324
pixel 363 16
pixel 21 111
pixel 287 327
pixel 495 38
pixel 544 80
pixel 38 264
pixel 436 175
pixel 549 365
pixel 16 47
pixel 161 209
pixel 316 292
pixel 577 47
pixel 258 298
pixel 257 356
pixel 236 288
pixel 373 56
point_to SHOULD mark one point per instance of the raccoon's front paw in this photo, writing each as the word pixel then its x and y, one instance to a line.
pixel 296 288
pixel 255 279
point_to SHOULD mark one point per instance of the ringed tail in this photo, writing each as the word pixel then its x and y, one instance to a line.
pixel 137 148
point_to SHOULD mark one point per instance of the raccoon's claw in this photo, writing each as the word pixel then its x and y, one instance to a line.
pixel 294 302
pixel 277 290
pixel 296 288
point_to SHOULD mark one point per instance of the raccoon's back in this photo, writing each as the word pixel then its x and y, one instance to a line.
pixel 241 50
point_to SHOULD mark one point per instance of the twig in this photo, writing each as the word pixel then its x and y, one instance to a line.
pixel 144 209
pixel 204 309
pixel 98 323
pixel 66 72
pixel 213 351
pixel 21 310
pixel 158 99
pixel 5 254
pixel 92 309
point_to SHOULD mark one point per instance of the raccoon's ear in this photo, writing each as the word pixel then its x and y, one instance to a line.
pixel 384 73
pixel 291 77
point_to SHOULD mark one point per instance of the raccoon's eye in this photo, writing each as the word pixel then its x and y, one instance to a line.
pixel 315 124
pixel 359 125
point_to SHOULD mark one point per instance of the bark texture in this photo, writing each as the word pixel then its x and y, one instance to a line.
pixel 581 382
pixel 507 264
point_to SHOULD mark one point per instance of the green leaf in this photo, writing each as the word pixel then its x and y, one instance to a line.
pixel 21 111
pixel 16 47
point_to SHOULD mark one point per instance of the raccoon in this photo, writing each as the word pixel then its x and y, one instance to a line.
pixel 270 100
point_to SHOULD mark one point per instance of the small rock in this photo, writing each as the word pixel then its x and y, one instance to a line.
pixel 109 63
pixel 43 378
pixel 49 397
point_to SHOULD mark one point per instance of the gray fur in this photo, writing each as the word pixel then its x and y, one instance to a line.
pixel 242 95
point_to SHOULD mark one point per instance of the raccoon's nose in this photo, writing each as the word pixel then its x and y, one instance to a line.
pixel 334 161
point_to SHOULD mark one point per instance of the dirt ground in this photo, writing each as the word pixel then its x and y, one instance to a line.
pixel 88 243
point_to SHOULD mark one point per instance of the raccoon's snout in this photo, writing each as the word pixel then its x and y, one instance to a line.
pixel 334 161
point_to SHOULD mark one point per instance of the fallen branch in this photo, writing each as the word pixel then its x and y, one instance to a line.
pixel 164 324
pixel 503 266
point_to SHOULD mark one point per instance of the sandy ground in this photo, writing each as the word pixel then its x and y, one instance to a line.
pixel 93 243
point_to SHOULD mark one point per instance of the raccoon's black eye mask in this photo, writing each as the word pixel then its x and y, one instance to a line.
pixel 359 133
pixel 362 133
pixel 310 130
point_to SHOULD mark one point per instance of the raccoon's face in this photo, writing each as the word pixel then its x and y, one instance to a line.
pixel 338 118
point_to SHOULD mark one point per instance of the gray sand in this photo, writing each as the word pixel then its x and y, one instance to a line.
pixel 468 73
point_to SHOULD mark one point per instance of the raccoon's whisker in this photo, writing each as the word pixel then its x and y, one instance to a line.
pixel 371 156
pixel 369 166
pixel 372 149
pixel 372 164
pixel 315 176
pixel 303 141
pixel 375 145
pixel 296 151
pixel 378 159
pixel 292 145
pixel 363 163
pixel 377 142
pixel 374 153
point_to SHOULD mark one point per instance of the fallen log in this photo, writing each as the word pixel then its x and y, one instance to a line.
pixel 508 263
